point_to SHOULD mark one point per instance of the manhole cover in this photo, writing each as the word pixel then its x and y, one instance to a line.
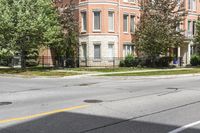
pixel 93 101
pixel 5 103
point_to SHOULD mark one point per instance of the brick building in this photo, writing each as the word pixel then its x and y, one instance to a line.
pixel 107 28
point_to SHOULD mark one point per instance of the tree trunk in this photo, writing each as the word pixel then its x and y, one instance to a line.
pixel 23 60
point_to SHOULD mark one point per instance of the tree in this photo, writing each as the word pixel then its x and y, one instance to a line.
pixel 26 25
pixel 197 36
pixel 70 29
pixel 158 29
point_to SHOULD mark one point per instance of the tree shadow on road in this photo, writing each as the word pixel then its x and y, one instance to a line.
pixel 67 122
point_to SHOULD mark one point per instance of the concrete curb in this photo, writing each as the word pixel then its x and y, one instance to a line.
pixel 155 77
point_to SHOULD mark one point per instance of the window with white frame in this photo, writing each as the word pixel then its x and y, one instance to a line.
pixel 96 20
pixel 84 51
pixel 132 1
pixel 111 21
pixel 189 4
pixel 125 23
pixel 189 28
pixel 178 27
pixel 132 24
pixel 128 49
pixel 97 51
pixel 111 50
pixel 84 21
pixel 192 5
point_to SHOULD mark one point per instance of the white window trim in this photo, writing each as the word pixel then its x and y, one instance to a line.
pixel 82 25
pixel 113 21
pixel 94 30
pixel 83 58
pixel 127 23
pixel 125 50
pixel 132 2
pixel 134 23
pixel 113 54
pixel 97 43
pixel 194 7
pixel 189 28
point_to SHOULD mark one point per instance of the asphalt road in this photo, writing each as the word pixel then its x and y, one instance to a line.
pixel 119 105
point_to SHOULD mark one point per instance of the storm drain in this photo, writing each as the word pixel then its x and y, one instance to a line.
pixel 5 103
pixel 93 101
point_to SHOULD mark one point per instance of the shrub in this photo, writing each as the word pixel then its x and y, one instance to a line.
pixel 32 58
pixel 122 63
pixel 195 60
pixel 164 61
pixel 32 62
pixel 129 61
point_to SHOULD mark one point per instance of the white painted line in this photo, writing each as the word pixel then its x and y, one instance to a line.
pixel 185 127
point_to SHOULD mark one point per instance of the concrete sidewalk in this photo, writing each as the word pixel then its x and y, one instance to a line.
pixel 93 73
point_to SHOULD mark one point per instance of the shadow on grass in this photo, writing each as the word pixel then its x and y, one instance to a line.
pixel 67 122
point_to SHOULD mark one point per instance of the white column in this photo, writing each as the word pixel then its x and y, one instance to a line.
pixel 179 55
pixel 188 56
pixel 179 52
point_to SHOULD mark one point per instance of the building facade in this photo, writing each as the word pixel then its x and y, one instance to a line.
pixel 107 28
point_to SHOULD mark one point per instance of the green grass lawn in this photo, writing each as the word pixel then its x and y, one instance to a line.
pixel 164 72
pixel 117 69
pixel 36 72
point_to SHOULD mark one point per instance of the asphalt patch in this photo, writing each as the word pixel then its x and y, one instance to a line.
pixel 5 103
pixel 86 84
pixel 93 101
pixel 172 88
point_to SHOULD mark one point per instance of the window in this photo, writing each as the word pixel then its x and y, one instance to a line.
pixel 128 49
pixel 132 24
pixel 111 21
pixel 189 4
pixel 97 21
pixel 55 1
pixel 189 28
pixel 84 51
pixel 84 21
pixel 111 50
pixel 125 23
pixel 131 0
pixel 178 27
pixel 193 27
pixel 97 51
pixel 194 5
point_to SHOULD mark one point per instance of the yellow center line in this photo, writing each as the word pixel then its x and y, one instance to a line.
pixel 41 114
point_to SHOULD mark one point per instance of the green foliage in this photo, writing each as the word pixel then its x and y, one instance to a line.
pixel 28 24
pixel 164 61
pixel 122 63
pixel 129 59
pixel 32 58
pixel 197 37
pixel 157 29
pixel 71 29
pixel 195 60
